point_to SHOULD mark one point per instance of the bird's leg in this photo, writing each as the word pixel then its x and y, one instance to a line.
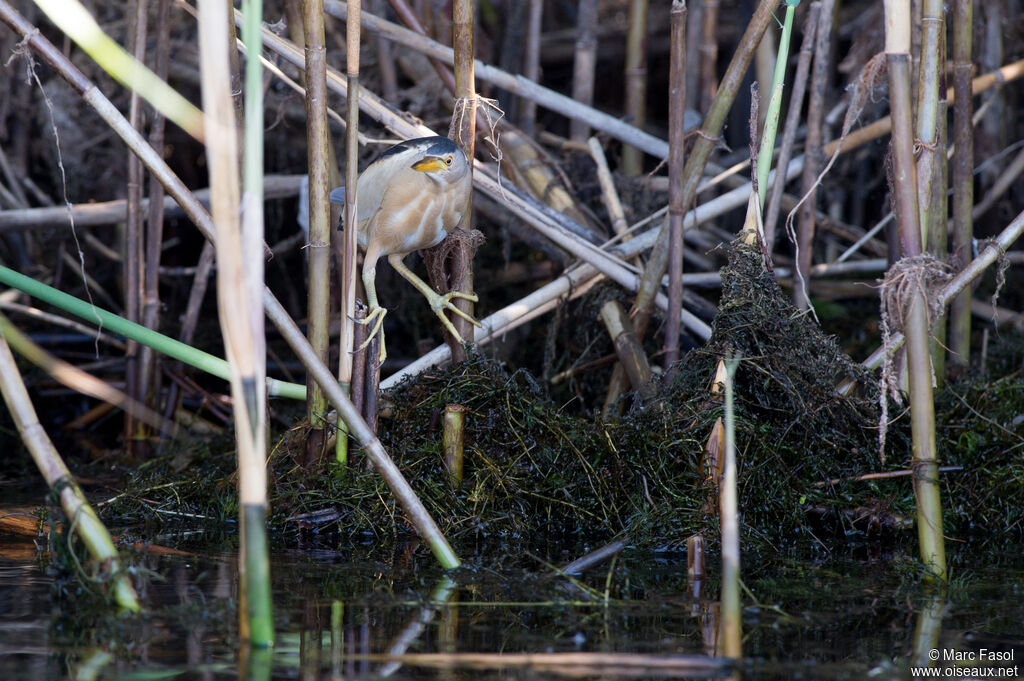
pixel 438 302
pixel 375 315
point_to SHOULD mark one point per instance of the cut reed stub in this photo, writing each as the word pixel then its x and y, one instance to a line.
pixel 453 438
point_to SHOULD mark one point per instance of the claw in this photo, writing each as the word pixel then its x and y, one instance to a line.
pixel 376 316
pixel 439 303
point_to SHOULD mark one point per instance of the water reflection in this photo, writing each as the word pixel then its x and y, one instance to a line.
pixel 341 617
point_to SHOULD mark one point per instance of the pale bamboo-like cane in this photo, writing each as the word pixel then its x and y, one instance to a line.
pixel 240 278
pixel 919 370
pixel 318 251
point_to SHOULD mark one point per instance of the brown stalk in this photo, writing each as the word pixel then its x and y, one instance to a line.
pixel 676 208
pixel 385 59
pixel 636 80
pixel 813 154
pixel 771 215
pixel 347 266
pixel 709 53
pixel 134 432
pixel 463 131
pixel 151 378
pixel 584 64
pixel 963 176
pixel 197 292
pixel 318 250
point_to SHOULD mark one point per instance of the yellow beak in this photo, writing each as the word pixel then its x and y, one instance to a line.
pixel 430 164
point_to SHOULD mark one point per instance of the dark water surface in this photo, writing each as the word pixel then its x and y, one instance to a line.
pixel 819 617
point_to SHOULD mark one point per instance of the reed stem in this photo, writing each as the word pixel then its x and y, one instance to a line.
pixel 319 248
pixel 464 129
pixel 915 312
pixel 963 176
pixel 676 158
pixel 814 154
pixel 349 277
pixel 731 625
pixel 636 81
pixel 584 65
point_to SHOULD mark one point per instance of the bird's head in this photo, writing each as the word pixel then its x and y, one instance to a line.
pixel 440 157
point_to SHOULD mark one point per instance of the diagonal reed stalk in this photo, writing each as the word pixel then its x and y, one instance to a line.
pixel 346 338
pixel 83 518
pixel 915 313
pixel 194 357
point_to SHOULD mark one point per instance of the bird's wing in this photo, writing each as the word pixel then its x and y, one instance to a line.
pixel 370 189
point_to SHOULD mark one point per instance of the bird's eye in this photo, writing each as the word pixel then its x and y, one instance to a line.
pixel 448 161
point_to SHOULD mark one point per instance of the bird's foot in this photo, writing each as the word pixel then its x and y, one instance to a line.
pixel 375 317
pixel 439 303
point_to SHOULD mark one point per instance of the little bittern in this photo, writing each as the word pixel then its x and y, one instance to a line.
pixel 406 200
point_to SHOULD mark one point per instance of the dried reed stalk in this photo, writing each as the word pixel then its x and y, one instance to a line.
pixel 584 65
pixel 963 175
pixel 771 213
pixel 813 154
pixel 318 251
pixel 730 636
pixel 531 65
pixel 676 158
pixel 916 307
pixel 240 277
pixel 154 237
pixel 635 80
pixel 135 433
pixel 463 132
pixel 709 53
pixel 348 274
